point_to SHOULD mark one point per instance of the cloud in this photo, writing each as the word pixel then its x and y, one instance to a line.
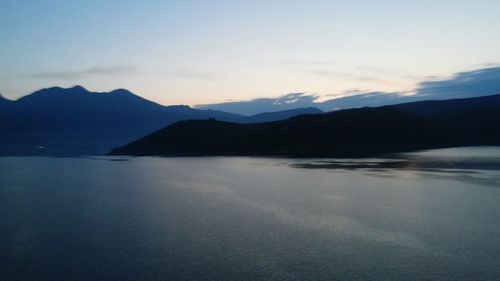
pixel 484 81
pixel 190 74
pixel 333 74
pixel 386 72
pixel 305 62
pixel 250 107
pixel 348 99
pixel 296 98
pixel 328 69
pixel 77 74
pixel 120 70
pixel 365 99
pixel 479 82
pixel 489 64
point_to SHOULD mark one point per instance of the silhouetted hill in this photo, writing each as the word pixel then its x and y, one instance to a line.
pixel 436 107
pixel 75 121
pixel 346 133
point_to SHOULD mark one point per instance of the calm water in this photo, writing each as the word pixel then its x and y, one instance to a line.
pixel 421 216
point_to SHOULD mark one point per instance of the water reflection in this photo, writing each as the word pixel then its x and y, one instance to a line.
pixel 472 165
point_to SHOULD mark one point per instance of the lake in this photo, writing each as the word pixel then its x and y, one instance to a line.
pixel 431 215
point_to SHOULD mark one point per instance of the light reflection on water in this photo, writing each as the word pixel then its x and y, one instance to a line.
pixel 475 165
pixel 410 217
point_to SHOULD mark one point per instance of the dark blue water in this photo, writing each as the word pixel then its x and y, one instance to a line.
pixel 426 216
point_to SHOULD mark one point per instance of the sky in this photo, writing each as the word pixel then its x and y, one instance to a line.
pixel 201 52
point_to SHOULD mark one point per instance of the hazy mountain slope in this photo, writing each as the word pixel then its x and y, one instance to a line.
pixel 279 115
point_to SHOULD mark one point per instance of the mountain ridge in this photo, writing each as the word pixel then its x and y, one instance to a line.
pixel 75 121
pixel 356 132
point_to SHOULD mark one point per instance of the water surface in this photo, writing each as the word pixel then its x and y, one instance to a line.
pixel 431 215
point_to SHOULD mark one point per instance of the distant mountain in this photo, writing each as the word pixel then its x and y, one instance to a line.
pixel 74 121
pixel 279 115
pixel 345 133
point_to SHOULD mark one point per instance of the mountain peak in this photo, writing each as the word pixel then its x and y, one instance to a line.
pixel 78 88
pixel 59 90
pixel 121 92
